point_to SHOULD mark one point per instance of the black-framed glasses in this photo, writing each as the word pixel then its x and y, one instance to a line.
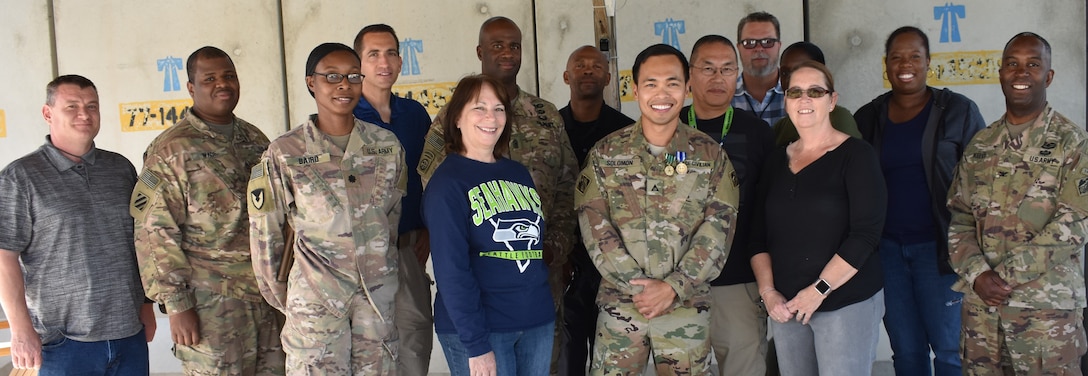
pixel 335 78
pixel 765 42
pixel 812 92
pixel 708 71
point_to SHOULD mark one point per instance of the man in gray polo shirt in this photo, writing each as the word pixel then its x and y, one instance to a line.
pixel 69 284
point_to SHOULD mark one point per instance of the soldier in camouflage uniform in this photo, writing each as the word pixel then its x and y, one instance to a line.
pixel 1019 203
pixel 656 203
pixel 333 185
pixel 192 231
pixel 538 141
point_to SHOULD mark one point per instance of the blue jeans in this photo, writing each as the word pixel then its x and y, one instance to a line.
pixel 119 357
pixel 923 313
pixel 840 342
pixel 523 353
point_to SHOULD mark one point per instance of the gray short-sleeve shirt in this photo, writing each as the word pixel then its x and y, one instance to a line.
pixel 70 224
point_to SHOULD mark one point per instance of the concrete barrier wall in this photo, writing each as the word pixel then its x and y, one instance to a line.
pixel 966 39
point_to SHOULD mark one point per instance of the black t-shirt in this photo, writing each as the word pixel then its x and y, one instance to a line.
pixel 582 138
pixel 834 206
pixel 584 135
pixel 748 143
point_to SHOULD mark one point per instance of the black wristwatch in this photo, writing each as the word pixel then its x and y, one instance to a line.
pixel 823 287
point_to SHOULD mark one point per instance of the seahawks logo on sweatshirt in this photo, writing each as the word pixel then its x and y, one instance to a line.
pixel 520 237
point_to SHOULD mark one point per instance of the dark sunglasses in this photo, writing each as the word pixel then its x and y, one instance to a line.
pixel 812 92
pixel 765 42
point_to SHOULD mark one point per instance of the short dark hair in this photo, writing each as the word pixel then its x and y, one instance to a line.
pixel 1046 45
pixel 760 17
pixel 904 30
pixel 51 88
pixel 468 89
pixel 375 28
pixel 659 50
pixel 206 52
pixel 811 50
pixel 814 65
pixel 712 38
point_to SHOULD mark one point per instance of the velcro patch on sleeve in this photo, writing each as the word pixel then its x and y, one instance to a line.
pixel 142 194
pixel 259 198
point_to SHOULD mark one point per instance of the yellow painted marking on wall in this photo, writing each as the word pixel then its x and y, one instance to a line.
pixel 3 125
pixel 960 68
pixel 627 85
pixel 432 95
pixel 152 115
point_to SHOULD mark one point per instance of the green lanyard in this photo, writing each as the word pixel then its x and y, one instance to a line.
pixel 728 123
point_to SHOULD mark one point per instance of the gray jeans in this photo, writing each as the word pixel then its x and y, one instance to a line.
pixel 841 342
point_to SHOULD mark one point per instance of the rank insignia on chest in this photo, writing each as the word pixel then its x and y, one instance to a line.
pixel 654 187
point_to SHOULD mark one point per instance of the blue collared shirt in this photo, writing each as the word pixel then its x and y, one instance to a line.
pixel 410 122
pixel 771 109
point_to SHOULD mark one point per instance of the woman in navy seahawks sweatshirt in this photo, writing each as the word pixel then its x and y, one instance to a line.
pixel 493 313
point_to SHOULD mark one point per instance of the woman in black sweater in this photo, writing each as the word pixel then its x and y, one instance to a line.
pixel 823 201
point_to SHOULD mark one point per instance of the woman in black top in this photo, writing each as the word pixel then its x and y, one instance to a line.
pixel 815 243
pixel 919 132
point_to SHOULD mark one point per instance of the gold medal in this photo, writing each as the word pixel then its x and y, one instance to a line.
pixel 669 170
pixel 681 168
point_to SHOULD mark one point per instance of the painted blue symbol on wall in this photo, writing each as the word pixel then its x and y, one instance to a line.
pixel 170 66
pixel 670 31
pixel 949 14
pixel 409 64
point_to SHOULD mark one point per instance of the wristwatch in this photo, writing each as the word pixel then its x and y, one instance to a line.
pixel 823 287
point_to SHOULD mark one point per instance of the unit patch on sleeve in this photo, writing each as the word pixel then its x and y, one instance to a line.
pixel 146 189
pixel 260 190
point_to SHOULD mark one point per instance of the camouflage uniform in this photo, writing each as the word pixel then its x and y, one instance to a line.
pixel 344 208
pixel 1019 208
pixel 192 243
pixel 639 222
pixel 538 141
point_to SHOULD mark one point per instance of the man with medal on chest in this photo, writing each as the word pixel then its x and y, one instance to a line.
pixel 738 321
pixel 657 207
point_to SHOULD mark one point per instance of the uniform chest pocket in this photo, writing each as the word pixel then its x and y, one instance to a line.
pixel 209 177
pixel 1040 199
pixel 695 194
pixel 376 176
pixel 314 193
pixel 624 192
pixel 981 168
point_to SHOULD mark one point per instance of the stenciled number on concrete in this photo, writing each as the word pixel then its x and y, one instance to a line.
pixel 949 14
pixel 409 65
pixel 152 115
pixel 670 31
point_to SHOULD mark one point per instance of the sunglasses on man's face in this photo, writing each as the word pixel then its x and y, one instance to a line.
pixel 812 92
pixel 765 42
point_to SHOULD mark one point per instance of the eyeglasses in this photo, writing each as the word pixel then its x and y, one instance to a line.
pixel 812 92
pixel 765 42
pixel 709 71
pixel 335 78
